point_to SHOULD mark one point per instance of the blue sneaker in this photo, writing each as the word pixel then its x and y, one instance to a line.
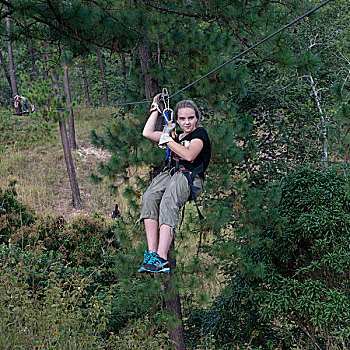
pixel 157 264
pixel 147 257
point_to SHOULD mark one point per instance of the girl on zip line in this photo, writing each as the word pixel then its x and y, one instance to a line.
pixel 182 176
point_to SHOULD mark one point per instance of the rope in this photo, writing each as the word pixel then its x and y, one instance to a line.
pixel 221 65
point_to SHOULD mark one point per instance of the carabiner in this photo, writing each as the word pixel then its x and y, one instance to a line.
pixel 167 112
pixel 165 96
pixel 168 119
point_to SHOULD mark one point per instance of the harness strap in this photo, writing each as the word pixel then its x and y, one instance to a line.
pixel 190 176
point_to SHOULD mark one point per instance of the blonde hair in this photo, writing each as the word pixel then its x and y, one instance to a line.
pixel 187 104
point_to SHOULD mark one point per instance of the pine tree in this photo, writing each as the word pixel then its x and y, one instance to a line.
pixel 5 69
pixel 11 63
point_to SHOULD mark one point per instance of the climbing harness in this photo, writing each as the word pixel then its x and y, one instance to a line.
pixel 190 176
pixel 168 116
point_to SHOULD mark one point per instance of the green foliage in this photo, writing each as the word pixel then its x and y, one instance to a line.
pixel 76 291
pixel 311 256
pixel 13 215
pixel 289 277
pixel 49 314
pixel 141 334
pixel 41 94
pixel 84 242
pixel 124 139
pixel 88 240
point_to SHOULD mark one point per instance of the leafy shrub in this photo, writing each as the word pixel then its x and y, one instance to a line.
pixel 141 334
pixel 86 241
pixel 82 265
pixel 310 257
pixel 13 216
pixel 289 279
pixel 45 315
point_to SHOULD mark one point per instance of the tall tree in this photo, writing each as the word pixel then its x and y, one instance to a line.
pixel 67 91
pixel 44 59
pixel 76 200
pixel 55 83
pixel 33 59
pixel 86 85
pixel 5 69
pixel 11 63
pixel 103 76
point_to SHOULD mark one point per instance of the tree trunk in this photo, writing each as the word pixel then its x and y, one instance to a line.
pixel 123 66
pixel 11 63
pixel 44 56
pixel 71 128
pixel 124 74
pixel 324 120
pixel 32 56
pixel 104 85
pixel 76 201
pixel 173 307
pixel 55 85
pixel 4 67
pixel 86 85
pixel 151 86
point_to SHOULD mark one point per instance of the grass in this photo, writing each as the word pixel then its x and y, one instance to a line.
pixel 38 165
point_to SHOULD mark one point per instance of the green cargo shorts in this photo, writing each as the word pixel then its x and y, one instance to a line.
pixel 165 197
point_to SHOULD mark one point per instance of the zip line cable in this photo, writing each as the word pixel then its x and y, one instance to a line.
pixel 115 105
pixel 221 65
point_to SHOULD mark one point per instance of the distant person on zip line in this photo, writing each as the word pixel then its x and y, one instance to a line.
pixel 24 103
pixel 21 103
pixel 182 176
pixel 17 104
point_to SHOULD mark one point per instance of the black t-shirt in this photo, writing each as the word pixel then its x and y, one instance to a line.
pixel 203 156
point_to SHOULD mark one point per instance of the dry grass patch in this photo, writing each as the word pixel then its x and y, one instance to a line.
pixel 41 173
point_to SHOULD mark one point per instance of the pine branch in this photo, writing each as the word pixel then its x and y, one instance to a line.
pixel 176 12
pixel 115 18
pixel 289 6
pixel 6 3
pixel 7 11
pixel 243 41
pixel 78 36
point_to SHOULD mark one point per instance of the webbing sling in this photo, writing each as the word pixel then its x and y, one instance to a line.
pixel 168 116
pixel 167 120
